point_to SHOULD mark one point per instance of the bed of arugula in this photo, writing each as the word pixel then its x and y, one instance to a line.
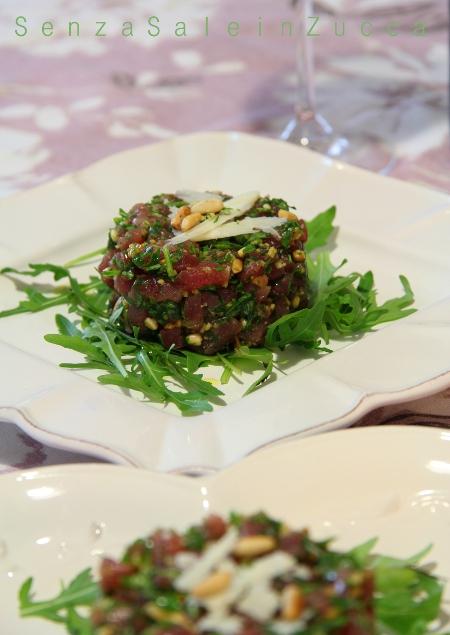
pixel 407 599
pixel 342 305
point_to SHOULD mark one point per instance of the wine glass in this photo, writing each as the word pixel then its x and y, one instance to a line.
pixel 309 128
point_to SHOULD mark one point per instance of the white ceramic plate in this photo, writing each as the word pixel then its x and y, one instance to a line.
pixel 386 225
pixel 390 482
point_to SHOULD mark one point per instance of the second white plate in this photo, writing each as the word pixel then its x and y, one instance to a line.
pixel 389 482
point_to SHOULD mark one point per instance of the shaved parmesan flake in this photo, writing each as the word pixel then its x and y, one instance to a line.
pixel 227 625
pixel 268 567
pixel 303 572
pixel 261 602
pixel 235 207
pixel 173 212
pixel 258 574
pixel 288 628
pixel 220 603
pixel 196 232
pixel 245 226
pixel 217 552
pixel 185 559
pixel 191 196
pixel 243 202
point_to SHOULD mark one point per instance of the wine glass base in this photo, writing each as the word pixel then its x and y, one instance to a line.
pixel 316 134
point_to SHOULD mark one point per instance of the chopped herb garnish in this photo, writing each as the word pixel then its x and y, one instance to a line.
pixel 167 259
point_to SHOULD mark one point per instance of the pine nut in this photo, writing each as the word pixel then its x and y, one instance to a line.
pixel 251 546
pixel 356 578
pixel 292 602
pixel 173 325
pixel 159 614
pixel 151 323
pixel 331 612
pixel 178 219
pixel 298 255
pixel 190 221
pixel 194 340
pixel 283 213
pixel 210 206
pixel 241 253
pixel 113 234
pixel 260 281
pixel 284 529
pixel 272 252
pixel 236 265
pixel 215 583
pixel 295 302
pixel 134 250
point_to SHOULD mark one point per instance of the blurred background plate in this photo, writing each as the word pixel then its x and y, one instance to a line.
pixel 393 483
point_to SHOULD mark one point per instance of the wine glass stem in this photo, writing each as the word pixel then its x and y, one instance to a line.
pixel 309 128
pixel 306 102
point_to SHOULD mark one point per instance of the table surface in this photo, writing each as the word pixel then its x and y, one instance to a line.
pixel 67 101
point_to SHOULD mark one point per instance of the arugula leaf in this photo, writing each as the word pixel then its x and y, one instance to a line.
pixel 108 345
pixel 361 553
pixel 117 311
pixel 81 259
pixel 387 561
pixel 247 358
pixel 320 272
pixel 82 298
pixel 36 302
pixel 134 364
pixel 302 327
pixel 320 229
pixel 194 361
pixel 38 269
pixel 407 600
pixel 134 382
pixel 81 591
pixel 230 369
pixel 66 327
pixel 393 309
pixel 190 380
pixel 344 304
pixel 85 366
pixel 76 343
pixel 261 380
pixel 78 625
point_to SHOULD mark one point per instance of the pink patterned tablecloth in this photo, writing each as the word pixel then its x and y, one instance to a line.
pixel 67 101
